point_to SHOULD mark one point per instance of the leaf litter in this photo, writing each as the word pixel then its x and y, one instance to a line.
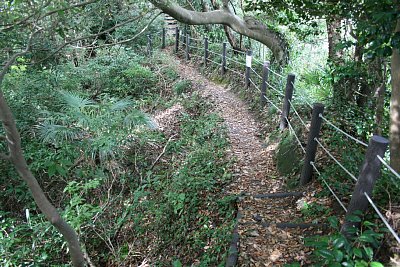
pixel 254 172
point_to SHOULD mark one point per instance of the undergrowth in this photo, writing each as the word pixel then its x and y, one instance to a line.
pixel 133 193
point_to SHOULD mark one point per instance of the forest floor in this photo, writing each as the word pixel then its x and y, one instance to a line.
pixel 265 238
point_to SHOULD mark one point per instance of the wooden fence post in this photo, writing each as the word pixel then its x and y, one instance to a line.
pixel 164 32
pixel 176 39
pixel 286 101
pixel 248 67
pixel 311 149
pixel 205 51
pixel 223 62
pixel 187 47
pixel 369 173
pixel 265 75
pixel 184 35
pixel 149 45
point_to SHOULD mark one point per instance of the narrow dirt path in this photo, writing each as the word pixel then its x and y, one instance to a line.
pixel 261 243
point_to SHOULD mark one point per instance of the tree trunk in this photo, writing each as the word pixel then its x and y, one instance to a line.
pixel 395 108
pixel 228 32
pixel 333 26
pixel 16 157
pixel 335 57
pixel 204 8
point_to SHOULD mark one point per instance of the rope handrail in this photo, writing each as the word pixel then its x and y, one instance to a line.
pixel 333 157
pixel 194 47
pixel 237 62
pixel 297 114
pixel 327 185
pixel 195 39
pixel 258 61
pixel 253 83
pixel 269 101
pixel 236 51
pixel 295 135
pixel 341 131
pixel 388 166
pixel 210 42
pixel 235 71
pixel 274 89
pixel 388 226
pixel 255 72
pixel 197 56
pixel 216 63
pixel 277 74
pixel 215 53
pixel 301 96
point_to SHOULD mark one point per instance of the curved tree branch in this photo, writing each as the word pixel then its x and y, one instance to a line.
pixel 228 32
pixel 248 26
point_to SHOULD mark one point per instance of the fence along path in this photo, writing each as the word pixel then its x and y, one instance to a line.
pixel 375 150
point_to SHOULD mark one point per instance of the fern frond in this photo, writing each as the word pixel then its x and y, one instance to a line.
pixel 75 101
pixel 135 118
pixel 56 133
pixel 121 104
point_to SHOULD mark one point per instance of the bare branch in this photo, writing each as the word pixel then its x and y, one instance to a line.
pixel 23 21
pixel 126 40
pixel 68 8
pixel 162 153
pixel 58 49
pixel 16 55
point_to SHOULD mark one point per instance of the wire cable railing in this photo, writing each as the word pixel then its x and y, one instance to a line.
pixel 195 39
pixel 214 53
pixel 297 114
pixel 255 72
pixel 341 131
pixel 216 63
pixel 295 135
pixel 194 47
pixel 258 61
pixel 235 71
pixel 272 103
pixel 388 166
pixel 236 51
pixel 302 97
pixel 277 74
pixel 334 159
pixel 235 61
pixel 274 89
pixel 254 84
pixel 388 226
pixel 329 188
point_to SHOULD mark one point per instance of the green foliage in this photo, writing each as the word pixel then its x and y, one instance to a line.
pixel 337 250
pixel 99 128
pixel 182 87
pixel 288 156
pixel 315 211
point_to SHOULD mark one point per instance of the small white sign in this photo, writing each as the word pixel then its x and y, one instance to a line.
pixel 248 61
